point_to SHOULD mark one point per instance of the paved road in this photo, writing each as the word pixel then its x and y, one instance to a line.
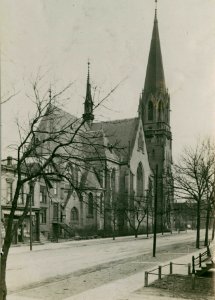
pixel 51 260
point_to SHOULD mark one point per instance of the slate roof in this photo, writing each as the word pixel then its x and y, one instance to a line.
pixel 50 125
pixel 120 134
pixel 111 140
pixel 155 79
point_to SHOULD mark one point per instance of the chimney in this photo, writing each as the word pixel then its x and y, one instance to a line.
pixel 9 160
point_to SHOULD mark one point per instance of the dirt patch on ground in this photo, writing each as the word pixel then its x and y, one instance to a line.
pixel 180 286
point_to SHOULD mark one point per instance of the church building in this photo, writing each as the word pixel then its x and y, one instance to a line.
pixel 137 152
pixel 120 169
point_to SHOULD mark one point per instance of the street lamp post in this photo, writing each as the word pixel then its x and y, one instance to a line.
pixel 147 214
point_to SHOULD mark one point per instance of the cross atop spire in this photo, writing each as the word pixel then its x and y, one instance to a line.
pixel 88 71
pixel 156 8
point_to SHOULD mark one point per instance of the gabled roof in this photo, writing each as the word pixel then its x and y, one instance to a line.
pixel 89 180
pixel 120 134
pixel 56 127
pixel 110 140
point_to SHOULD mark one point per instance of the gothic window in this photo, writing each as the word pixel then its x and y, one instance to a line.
pixel 74 215
pixel 90 204
pixel 101 177
pixel 113 184
pixel 113 180
pixel 140 179
pixel 160 111
pixel 62 191
pixel 150 111
pixel 167 113
pixel 140 142
pixel 101 204
pixel 70 172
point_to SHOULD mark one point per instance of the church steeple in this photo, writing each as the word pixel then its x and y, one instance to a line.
pixel 155 80
pixel 88 104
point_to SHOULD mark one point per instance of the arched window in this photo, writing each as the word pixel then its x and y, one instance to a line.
pixel 70 172
pixel 90 204
pixel 113 183
pixel 140 142
pixel 140 179
pixel 113 180
pixel 74 215
pixel 167 112
pixel 160 111
pixel 150 111
pixel 101 204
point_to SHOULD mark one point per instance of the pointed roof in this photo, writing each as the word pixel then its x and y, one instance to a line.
pixel 88 91
pixel 88 103
pixel 155 79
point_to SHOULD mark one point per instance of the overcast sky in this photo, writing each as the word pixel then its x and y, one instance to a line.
pixel 58 36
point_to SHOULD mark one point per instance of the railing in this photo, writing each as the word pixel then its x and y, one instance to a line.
pixel 197 261
pixel 159 273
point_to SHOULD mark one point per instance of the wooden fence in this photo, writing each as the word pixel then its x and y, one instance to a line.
pixel 158 271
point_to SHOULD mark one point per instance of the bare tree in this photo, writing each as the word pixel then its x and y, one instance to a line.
pixel 192 177
pixel 52 140
pixel 136 212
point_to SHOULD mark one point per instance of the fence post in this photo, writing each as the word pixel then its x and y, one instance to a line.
pixel 146 278
pixel 189 269
pixel 170 267
pixel 193 281
pixel 208 251
pixel 193 264
pixel 159 272
pixel 200 260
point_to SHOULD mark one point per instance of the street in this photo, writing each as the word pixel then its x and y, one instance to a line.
pixel 57 263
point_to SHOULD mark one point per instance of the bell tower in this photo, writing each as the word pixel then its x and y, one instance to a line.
pixel 154 109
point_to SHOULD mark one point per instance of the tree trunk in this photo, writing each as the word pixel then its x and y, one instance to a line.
pixel 213 230
pixel 207 225
pixel 198 223
pixel 3 287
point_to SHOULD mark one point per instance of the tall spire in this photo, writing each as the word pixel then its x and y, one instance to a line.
pixel 88 92
pixel 88 104
pixel 155 79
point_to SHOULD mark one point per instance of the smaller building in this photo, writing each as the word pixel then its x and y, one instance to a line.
pixel 8 181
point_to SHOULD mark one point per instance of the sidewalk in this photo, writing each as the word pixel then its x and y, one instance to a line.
pixel 22 248
pixel 127 288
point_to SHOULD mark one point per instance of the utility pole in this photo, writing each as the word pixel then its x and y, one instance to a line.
pixel 31 192
pixel 155 211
